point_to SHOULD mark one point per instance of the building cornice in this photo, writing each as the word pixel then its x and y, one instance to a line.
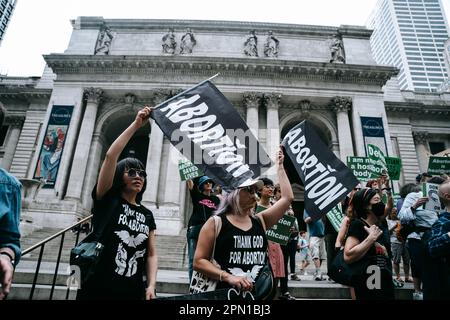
pixel 417 108
pixel 138 25
pixel 242 67
pixel 12 92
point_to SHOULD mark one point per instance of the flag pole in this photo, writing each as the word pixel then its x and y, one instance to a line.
pixel 181 93
pixel 216 75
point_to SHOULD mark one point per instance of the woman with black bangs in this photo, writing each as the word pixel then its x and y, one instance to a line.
pixel 365 241
pixel 129 234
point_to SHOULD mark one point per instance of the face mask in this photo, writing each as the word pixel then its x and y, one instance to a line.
pixel 378 209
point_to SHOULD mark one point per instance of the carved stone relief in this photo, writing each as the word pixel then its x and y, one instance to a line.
pixel 251 45
pixel 168 42
pixel 104 40
pixel 271 46
pixel 188 42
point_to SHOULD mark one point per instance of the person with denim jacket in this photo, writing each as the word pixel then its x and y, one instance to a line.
pixel 413 211
pixel 439 245
pixel 10 204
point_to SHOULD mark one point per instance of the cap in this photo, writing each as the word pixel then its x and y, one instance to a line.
pixel 259 184
pixel 203 180
pixel 267 181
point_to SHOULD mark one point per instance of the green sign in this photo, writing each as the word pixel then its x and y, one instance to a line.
pixel 365 168
pixel 394 167
pixel 335 216
pixel 377 158
pixel 438 165
pixel 188 170
pixel 280 232
pixel 361 167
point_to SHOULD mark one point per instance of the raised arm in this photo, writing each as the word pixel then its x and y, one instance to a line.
pixel 106 176
pixel 410 205
pixel 274 213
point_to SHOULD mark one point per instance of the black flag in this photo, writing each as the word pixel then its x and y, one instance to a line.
pixel 326 179
pixel 205 127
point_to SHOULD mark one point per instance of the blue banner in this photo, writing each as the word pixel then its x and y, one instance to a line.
pixel 53 145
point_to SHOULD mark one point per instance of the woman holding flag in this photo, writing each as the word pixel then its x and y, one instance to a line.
pixel 241 244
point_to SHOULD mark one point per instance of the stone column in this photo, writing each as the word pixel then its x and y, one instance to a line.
pixel 93 168
pixel 79 163
pixel 15 127
pixel 421 139
pixel 272 103
pixel 342 105
pixel 173 180
pixel 251 103
pixel 154 154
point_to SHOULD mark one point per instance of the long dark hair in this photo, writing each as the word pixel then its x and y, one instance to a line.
pixel 122 165
pixel 360 202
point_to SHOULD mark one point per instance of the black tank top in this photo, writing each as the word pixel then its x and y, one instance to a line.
pixel 241 252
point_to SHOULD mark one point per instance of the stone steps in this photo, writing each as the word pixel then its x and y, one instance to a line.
pixel 172 276
pixel 173 283
pixel 170 249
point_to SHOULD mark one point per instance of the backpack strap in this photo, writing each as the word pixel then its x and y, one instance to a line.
pixel 217 228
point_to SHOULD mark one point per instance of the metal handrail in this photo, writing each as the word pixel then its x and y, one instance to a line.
pixel 42 243
pixel 55 235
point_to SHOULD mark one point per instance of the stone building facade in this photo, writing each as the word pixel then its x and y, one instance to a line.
pixel 276 75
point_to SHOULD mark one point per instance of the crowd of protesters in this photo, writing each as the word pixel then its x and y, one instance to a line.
pixel 407 232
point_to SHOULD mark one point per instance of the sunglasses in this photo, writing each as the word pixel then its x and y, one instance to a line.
pixel 136 172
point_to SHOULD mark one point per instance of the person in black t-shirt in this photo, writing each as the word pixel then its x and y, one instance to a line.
pixel 365 241
pixel 241 244
pixel 129 236
pixel 204 203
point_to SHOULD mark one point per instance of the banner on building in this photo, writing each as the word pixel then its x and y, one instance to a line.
pixel 188 170
pixel 439 165
pixel 205 127
pixel 326 179
pixel 280 232
pixel 373 133
pixel 53 145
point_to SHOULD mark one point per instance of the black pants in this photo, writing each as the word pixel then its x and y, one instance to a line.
pixel 289 251
pixel 330 241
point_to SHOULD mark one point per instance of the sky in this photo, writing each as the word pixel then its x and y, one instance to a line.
pixel 41 27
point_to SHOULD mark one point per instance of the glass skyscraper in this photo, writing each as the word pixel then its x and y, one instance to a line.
pixel 410 34
pixel 6 9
